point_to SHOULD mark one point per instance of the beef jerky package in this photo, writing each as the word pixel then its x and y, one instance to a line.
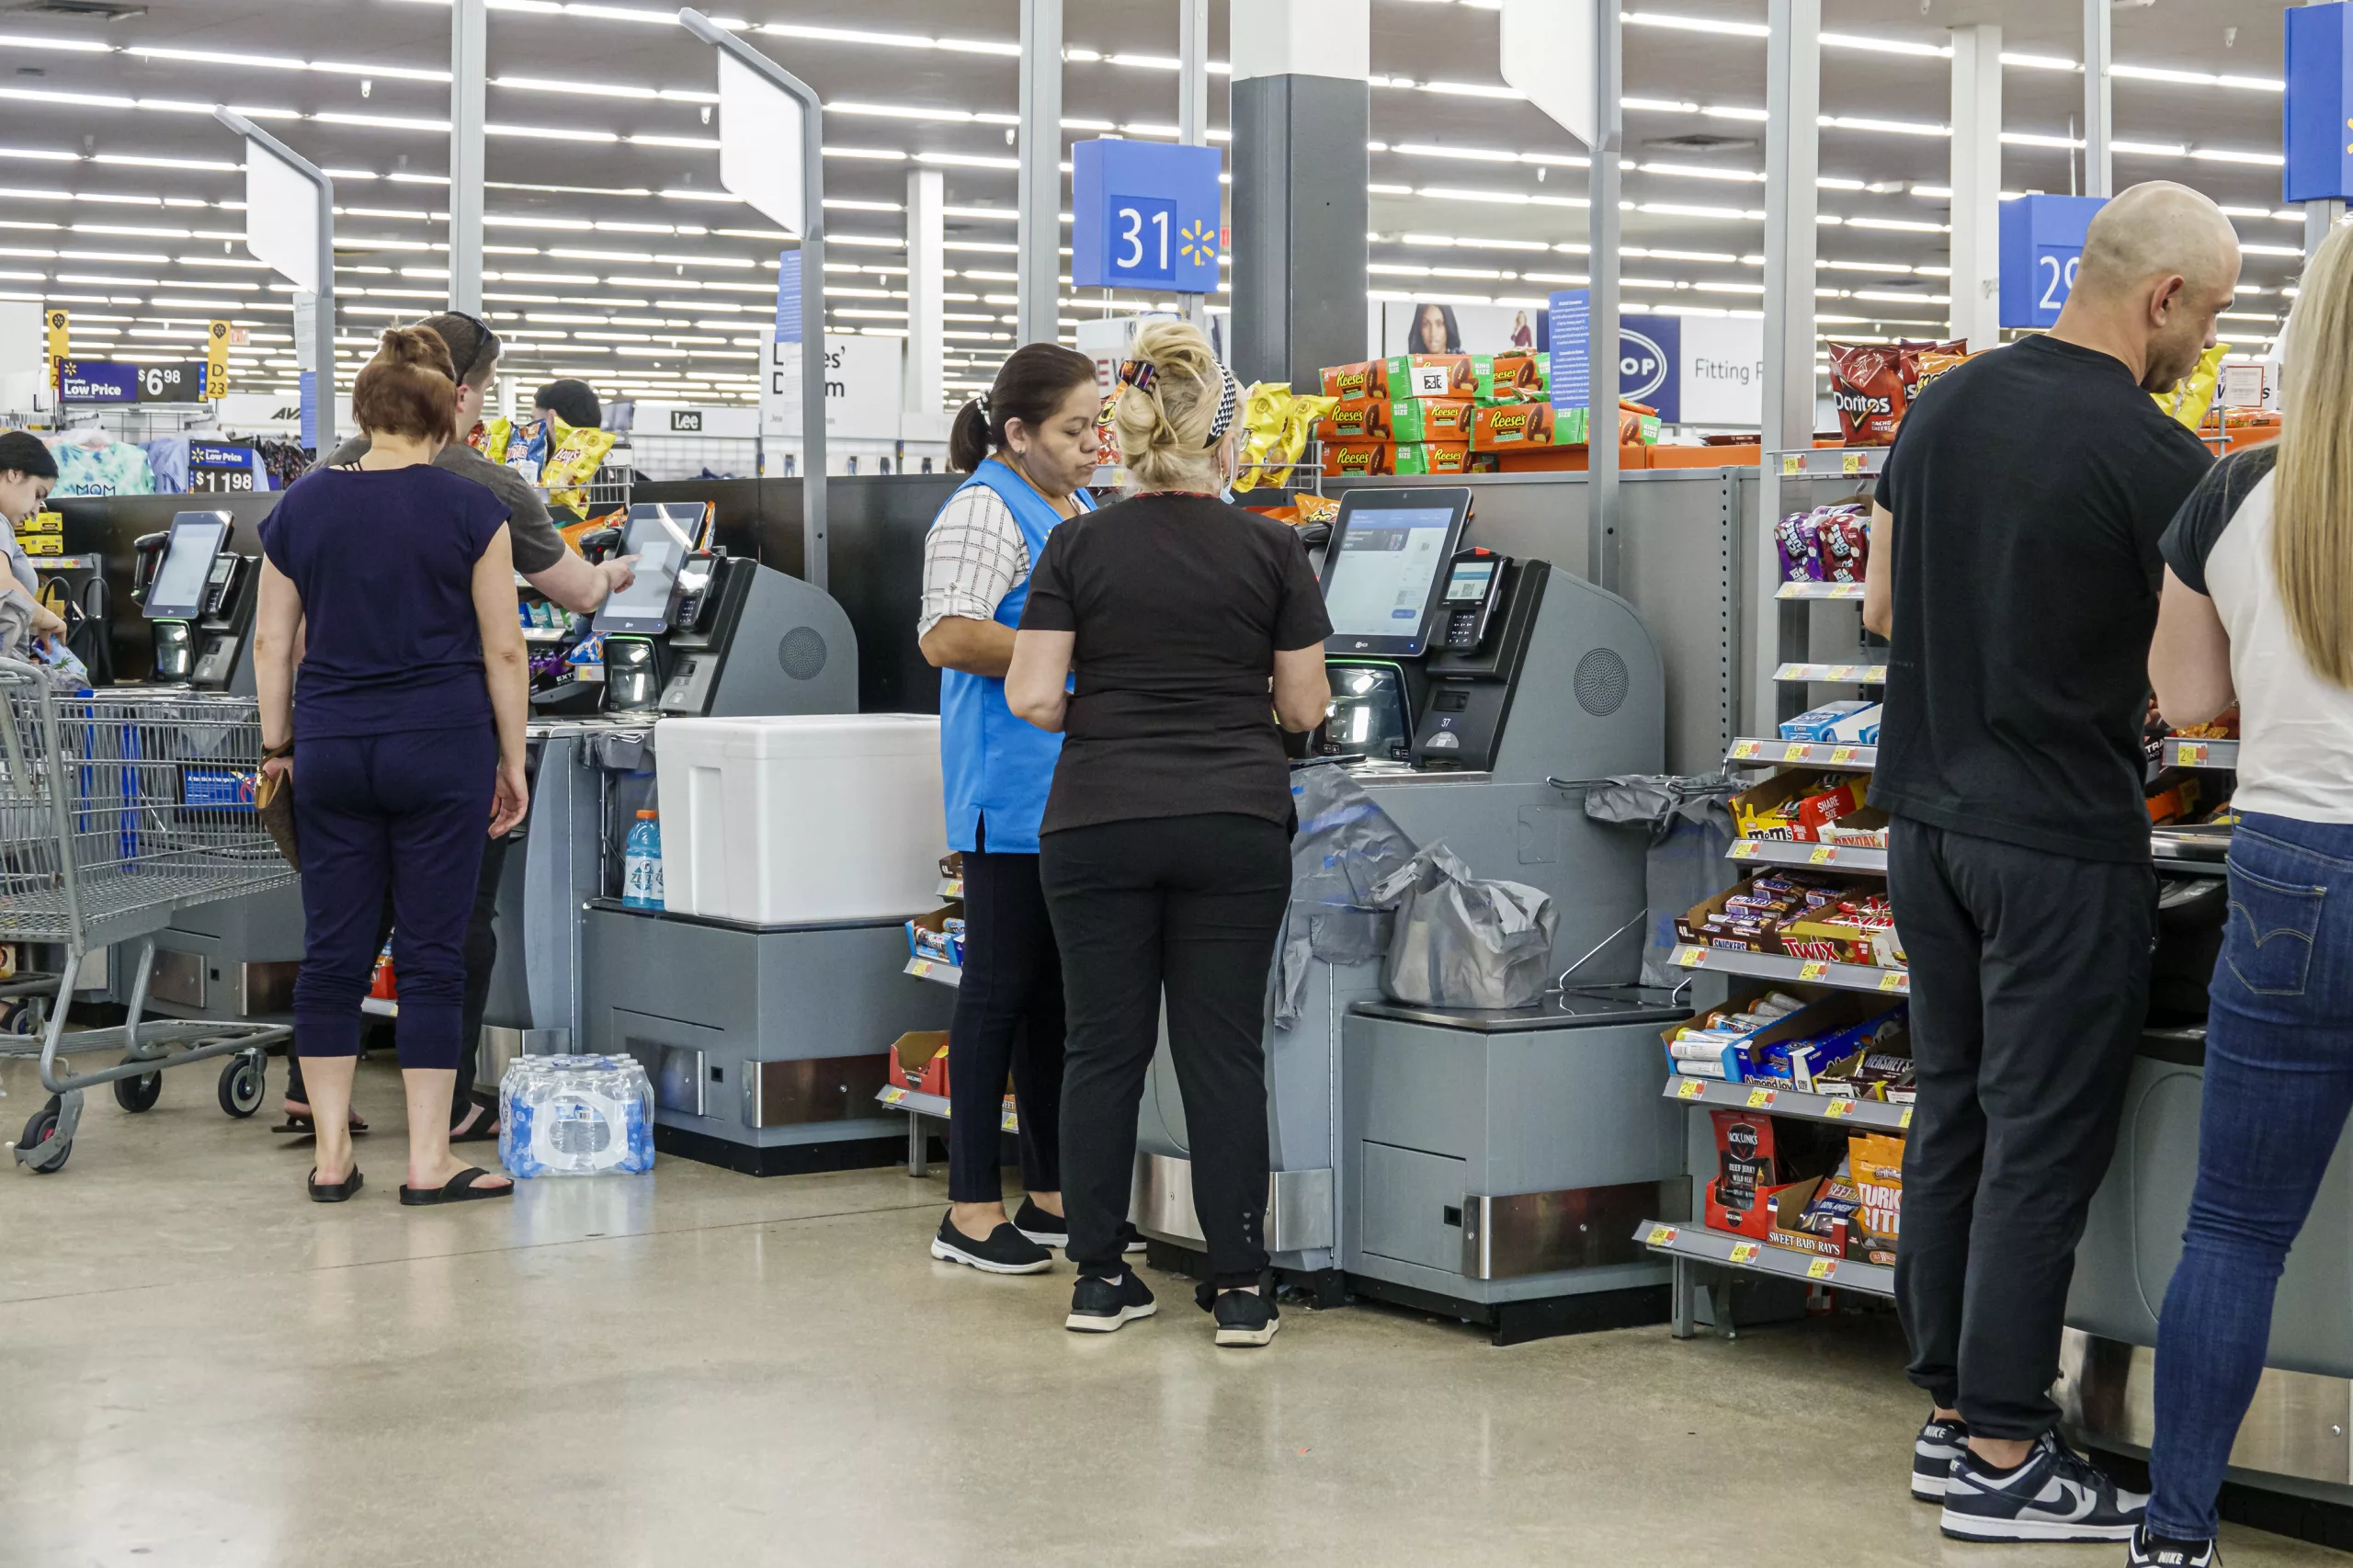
pixel 1867 383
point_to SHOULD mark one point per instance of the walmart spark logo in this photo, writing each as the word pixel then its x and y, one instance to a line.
pixel 1200 247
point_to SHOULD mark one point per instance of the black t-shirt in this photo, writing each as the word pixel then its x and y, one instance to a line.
pixel 2197 528
pixel 2029 488
pixel 1179 603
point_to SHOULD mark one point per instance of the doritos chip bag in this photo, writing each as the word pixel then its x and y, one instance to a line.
pixel 1866 384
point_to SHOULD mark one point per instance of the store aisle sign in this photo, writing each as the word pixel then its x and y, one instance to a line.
pixel 2317 119
pixel 2041 245
pixel 1144 213
pixel 862 389
pixel 104 380
pixel 1693 370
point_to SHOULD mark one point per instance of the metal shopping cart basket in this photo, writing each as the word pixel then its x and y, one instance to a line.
pixel 117 810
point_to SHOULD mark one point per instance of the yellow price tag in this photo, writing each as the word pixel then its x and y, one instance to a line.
pixel 1812 969
pixel 1793 463
pixel 1842 672
pixel 1746 749
pixel 895 1095
pixel 1823 855
pixel 1691 1089
pixel 1838 1110
pixel 1744 1252
pixel 2193 754
pixel 1906 1123
pixel 1821 1268
pixel 1796 751
pixel 1691 958
pixel 1895 980
pixel 1744 849
pixel 1853 462
pixel 920 968
pixel 1842 754
pixel 1758 1099
pixel 1660 1235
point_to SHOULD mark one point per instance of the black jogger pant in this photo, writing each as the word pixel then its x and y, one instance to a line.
pixel 1009 1015
pixel 2029 984
pixel 1191 905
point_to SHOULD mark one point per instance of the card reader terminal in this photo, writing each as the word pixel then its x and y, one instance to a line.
pixel 1474 582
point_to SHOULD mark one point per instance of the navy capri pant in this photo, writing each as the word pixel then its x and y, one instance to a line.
pixel 408 811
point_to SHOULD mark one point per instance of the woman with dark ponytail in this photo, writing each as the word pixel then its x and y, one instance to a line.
pixel 1029 444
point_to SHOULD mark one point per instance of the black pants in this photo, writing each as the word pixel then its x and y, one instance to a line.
pixel 1008 1014
pixel 1191 905
pixel 482 958
pixel 2029 983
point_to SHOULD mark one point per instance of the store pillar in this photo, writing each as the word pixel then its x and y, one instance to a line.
pixel 1792 160
pixel 1038 313
pixel 1193 105
pixel 1302 112
pixel 1977 185
pixel 2100 118
pixel 468 34
pixel 926 298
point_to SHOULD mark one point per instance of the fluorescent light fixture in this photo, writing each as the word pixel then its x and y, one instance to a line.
pixel 1886 45
pixel 1695 24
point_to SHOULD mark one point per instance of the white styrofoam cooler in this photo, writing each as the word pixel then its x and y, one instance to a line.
pixel 794 821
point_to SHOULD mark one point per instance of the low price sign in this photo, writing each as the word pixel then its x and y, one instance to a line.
pixel 106 380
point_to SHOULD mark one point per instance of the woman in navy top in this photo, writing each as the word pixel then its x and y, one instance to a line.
pixel 394 581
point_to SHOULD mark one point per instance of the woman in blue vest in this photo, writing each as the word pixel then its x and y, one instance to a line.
pixel 1029 444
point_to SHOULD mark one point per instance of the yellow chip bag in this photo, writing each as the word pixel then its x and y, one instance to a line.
pixel 575 455
pixel 1278 423
pixel 2194 397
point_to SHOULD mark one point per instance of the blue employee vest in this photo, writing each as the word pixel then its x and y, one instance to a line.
pixel 992 764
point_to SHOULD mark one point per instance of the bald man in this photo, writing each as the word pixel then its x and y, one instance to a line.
pixel 2014 567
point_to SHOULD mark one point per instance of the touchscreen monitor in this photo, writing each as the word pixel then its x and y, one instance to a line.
pixel 1381 572
pixel 643 607
pixel 178 592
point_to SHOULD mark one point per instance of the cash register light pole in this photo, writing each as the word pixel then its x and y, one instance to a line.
pixel 289 225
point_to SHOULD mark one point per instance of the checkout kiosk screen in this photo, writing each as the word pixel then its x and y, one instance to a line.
pixel 178 593
pixel 1388 560
pixel 644 608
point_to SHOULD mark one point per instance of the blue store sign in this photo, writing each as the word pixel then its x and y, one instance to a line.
pixel 1145 213
pixel 2317 121
pixel 2041 245
pixel 1650 356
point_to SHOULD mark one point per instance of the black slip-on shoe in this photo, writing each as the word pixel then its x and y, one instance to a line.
pixel 1101 1306
pixel 1245 1318
pixel 1004 1251
pixel 1046 1230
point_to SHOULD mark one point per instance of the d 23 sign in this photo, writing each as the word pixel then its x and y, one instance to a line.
pixel 1145 213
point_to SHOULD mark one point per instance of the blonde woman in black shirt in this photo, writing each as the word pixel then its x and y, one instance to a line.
pixel 1193 629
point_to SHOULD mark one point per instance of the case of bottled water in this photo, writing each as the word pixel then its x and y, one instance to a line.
pixel 574 1115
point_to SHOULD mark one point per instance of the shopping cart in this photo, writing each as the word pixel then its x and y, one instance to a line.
pixel 117 811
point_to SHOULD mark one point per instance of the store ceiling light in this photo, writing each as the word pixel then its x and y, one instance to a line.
pixel 892 40
pixel 1696 24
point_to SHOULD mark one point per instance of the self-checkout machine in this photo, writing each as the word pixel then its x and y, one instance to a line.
pixel 1477 1164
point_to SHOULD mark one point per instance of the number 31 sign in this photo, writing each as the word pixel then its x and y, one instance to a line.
pixel 2042 244
pixel 1145 213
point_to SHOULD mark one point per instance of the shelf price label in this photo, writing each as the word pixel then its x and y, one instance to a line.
pixel 920 969
pixel 1838 1110
pixel 1691 1089
pixel 1842 754
pixel 1793 462
pixel 1842 672
pixel 1853 462
pixel 1905 1120
pixel 2192 753
pixel 1744 849
pixel 1812 969
pixel 1745 749
pixel 1744 1252
pixel 1691 958
pixel 1895 980
pixel 1659 1236
pixel 1821 1268
pixel 1823 855
pixel 1760 1099
pixel 893 1094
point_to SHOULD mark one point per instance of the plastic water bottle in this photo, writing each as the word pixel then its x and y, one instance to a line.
pixel 642 864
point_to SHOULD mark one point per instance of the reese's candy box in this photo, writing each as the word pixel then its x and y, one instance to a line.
pixel 1398 419
pixel 1345 459
pixel 1439 375
pixel 1512 427
pixel 1353 383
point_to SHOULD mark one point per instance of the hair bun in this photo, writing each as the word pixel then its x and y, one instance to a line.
pixel 416 345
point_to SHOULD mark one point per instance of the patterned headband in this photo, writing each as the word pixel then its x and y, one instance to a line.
pixel 1141 375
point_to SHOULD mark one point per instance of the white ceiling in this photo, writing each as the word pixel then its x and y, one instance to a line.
pixel 616 257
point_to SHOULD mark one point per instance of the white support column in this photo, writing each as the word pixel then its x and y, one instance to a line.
pixel 1792 160
pixel 1193 105
pixel 927 293
pixel 469 66
pixel 1039 315
pixel 2100 118
pixel 1603 186
pixel 1977 184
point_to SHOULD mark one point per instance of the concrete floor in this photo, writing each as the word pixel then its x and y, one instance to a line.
pixel 199 1367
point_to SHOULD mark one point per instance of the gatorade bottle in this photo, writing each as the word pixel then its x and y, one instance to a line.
pixel 642 864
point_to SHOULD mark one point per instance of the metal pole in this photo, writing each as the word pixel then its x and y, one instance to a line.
pixel 323 316
pixel 813 283
pixel 1792 159
pixel 1601 231
pixel 1193 105
pixel 2100 118
pixel 927 298
pixel 1976 181
pixel 468 35
pixel 1038 318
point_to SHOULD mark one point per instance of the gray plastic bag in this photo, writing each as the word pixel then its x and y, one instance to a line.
pixel 1463 941
pixel 1345 847
pixel 1690 828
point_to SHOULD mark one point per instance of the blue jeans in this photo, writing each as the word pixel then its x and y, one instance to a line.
pixel 2279 1083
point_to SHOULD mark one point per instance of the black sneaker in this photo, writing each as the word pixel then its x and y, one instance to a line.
pixel 1933 1451
pixel 1005 1251
pixel 1246 1318
pixel 1100 1306
pixel 2054 1495
pixel 1131 1239
pixel 2156 1551
pixel 1046 1230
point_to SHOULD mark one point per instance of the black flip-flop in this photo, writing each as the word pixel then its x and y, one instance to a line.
pixel 333 1191
pixel 484 1131
pixel 458 1189
pixel 303 1127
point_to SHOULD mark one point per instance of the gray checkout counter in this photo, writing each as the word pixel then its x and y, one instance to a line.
pixel 1476 1164
pixel 2297 1441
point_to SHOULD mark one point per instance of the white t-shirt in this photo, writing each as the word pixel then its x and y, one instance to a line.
pixel 2295 726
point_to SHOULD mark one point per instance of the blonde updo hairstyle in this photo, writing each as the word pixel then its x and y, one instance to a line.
pixel 1165 428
